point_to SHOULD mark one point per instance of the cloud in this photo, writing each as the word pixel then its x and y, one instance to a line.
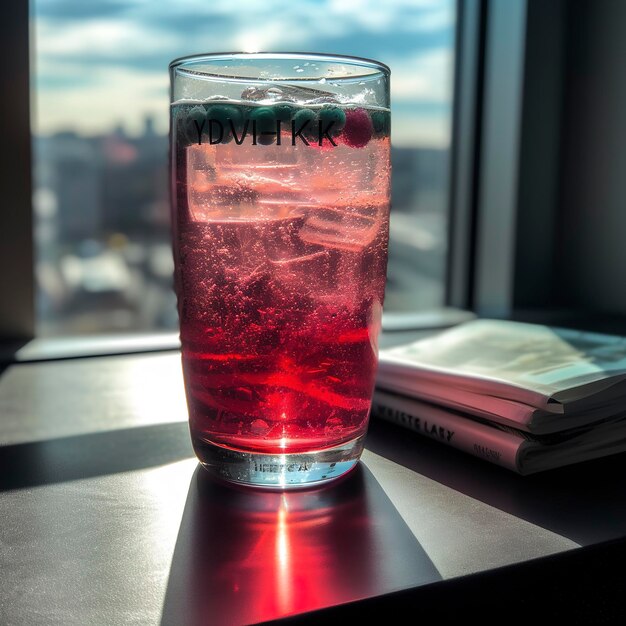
pixel 118 96
pixel 109 58
pixel 378 16
pixel 441 17
pixel 79 10
pixel 426 77
pixel 109 39
pixel 421 123
pixel 167 30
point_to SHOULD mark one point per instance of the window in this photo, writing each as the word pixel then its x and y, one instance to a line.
pixel 100 107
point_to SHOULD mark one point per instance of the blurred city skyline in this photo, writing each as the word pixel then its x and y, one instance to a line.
pixel 100 118
pixel 102 231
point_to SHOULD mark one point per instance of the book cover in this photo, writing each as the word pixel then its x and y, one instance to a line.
pixel 509 448
pixel 500 410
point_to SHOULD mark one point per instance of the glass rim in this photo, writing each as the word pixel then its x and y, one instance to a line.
pixel 182 62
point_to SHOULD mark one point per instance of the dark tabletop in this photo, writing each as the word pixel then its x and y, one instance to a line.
pixel 106 517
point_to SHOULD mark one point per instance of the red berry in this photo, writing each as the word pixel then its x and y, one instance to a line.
pixel 358 129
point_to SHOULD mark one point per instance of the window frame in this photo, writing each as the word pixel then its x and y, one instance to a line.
pixel 17 312
pixel 506 156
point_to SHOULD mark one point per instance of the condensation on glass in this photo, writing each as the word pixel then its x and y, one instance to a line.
pixel 280 174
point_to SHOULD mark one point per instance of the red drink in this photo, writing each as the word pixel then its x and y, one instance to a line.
pixel 281 250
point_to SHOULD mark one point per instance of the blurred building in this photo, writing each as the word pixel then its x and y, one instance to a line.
pixel 103 235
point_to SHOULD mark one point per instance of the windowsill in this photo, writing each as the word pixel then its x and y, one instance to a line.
pixel 55 348
pixel 397 328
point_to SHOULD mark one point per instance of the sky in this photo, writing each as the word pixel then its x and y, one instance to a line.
pixel 100 63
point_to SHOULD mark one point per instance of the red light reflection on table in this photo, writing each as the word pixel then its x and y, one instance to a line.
pixel 299 577
pixel 246 555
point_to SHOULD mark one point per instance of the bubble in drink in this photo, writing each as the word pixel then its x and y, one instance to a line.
pixel 281 246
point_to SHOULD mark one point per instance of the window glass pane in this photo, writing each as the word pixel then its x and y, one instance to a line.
pixel 100 115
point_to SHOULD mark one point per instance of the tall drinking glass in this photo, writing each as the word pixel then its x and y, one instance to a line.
pixel 280 200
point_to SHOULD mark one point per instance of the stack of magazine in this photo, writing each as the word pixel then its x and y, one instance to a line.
pixel 524 396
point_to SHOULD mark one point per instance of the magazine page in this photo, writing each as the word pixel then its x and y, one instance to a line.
pixel 500 410
pixel 506 447
pixel 496 446
pixel 525 362
pixel 603 440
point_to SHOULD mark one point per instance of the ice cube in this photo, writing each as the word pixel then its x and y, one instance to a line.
pixel 288 93
pixel 265 94
pixel 216 97
pixel 297 272
pixel 259 427
pixel 329 99
pixel 342 228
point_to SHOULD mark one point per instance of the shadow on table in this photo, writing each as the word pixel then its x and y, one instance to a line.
pixel 246 555
pixel 94 454
pixel 583 502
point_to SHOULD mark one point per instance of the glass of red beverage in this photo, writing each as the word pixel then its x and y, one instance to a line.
pixel 280 203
